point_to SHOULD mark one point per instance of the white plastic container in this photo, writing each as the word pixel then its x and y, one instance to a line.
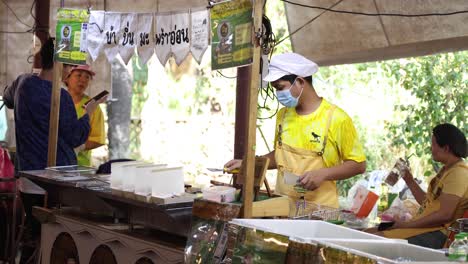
pixel 388 250
pixel 220 194
pixel 129 175
pixel 305 229
pixel 167 182
pixel 143 178
pixel 117 173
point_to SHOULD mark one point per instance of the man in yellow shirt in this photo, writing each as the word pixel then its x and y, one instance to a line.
pixel 314 139
pixel 77 83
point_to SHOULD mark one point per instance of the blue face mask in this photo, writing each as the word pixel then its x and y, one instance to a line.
pixel 286 98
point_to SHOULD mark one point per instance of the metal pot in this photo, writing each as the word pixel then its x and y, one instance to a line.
pixel 463 224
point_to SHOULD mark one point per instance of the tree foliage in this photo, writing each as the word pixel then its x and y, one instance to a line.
pixel 438 85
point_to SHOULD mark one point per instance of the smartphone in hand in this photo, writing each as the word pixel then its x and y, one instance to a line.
pixel 97 97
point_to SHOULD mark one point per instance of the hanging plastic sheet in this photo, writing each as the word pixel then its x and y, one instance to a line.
pixel 199 32
pixel 209 231
pixel 145 44
pixel 96 33
pixel 249 245
pixel 111 35
pixel 128 25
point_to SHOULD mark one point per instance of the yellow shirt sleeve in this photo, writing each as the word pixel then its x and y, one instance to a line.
pixel 456 182
pixel 347 139
pixel 97 132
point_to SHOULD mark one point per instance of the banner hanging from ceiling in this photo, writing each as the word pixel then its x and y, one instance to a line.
pixel 170 34
pixel 70 36
pixel 231 34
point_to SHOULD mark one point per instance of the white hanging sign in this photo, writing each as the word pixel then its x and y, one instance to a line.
pixel 180 38
pixel 176 34
pixel 95 39
pixel 199 33
pixel 163 37
pixel 111 35
pixel 145 43
pixel 128 26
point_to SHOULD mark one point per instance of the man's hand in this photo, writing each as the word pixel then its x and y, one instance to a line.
pixel 311 180
pixel 233 164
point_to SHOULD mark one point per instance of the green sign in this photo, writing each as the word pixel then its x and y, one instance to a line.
pixel 231 34
pixel 70 40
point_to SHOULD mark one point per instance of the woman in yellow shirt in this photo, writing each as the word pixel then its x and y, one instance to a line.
pixel 447 195
pixel 77 83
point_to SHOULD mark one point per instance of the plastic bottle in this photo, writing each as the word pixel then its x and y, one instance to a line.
pixel 383 199
pixel 458 250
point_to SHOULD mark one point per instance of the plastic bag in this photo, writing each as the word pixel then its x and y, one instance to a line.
pixel 7 170
pixel 400 211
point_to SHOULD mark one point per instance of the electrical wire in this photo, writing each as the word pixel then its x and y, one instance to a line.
pixel 226 76
pixel 308 22
pixel 31 10
pixel 13 12
pixel 16 32
pixel 377 14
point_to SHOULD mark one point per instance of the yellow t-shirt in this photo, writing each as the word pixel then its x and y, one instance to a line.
pixel 97 132
pixel 454 181
pixel 308 131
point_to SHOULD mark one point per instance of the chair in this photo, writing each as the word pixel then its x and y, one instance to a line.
pixel 452 232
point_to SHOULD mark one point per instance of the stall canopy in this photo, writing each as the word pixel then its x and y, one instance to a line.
pixel 324 36
pixel 331 38
pixel 17 45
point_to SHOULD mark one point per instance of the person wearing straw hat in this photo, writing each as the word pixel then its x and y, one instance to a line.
pixel 314 139
pixel 77 82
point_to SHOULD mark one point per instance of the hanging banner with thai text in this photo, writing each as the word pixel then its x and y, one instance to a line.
pixel 231 34
pixel 70 36
pixel 95 33
pixel 145 47
pixel 112 32
pixel 129 23
pixel 199 34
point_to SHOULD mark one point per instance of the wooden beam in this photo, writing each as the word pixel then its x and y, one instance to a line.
pixel 54 114
pixel 242 100
pixel 422 48
pixel 249 158
pixel 42 11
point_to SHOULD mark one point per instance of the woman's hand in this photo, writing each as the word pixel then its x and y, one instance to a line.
pixel 93 104
pixel 407 176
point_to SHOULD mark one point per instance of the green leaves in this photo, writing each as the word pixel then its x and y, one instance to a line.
pixel 439 85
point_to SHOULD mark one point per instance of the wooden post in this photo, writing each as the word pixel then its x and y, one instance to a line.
pixel 242 100
pixel 54 114
pixel 249 160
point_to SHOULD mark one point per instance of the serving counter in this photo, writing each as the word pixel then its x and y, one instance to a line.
pixel 84 210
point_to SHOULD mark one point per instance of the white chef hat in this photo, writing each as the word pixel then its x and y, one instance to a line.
pixel 290 63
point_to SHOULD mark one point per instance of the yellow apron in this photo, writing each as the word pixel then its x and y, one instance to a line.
pixel 430 205
pixel 299 161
